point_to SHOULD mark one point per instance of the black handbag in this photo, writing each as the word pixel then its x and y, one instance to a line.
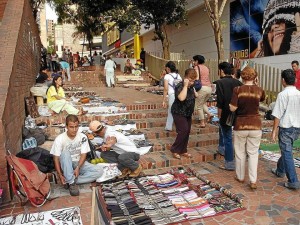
pixel 231 119
pixel 197 83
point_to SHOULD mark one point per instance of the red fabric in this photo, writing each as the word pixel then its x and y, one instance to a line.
pixel 297 84
pixel 118 44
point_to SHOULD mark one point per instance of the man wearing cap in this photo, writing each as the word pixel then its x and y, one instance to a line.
pixel 117 148
pixel 69 152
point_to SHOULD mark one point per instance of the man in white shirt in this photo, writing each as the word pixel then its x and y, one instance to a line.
pixel 287 122
pixel 117 148
pixel 69 152
pixel 109 72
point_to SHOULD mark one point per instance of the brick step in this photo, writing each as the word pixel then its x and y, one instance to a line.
pixel 143 114
pixel 158 160
pixel 195 140
pixel 157 122
pixel 159 132
pixel 145 107
pixel 61 118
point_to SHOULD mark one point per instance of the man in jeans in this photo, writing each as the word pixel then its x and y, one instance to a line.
pixel 224 89
pixel 287 122
pixel 117 148
pixel 69 152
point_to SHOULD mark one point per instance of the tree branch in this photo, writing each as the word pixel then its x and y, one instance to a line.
pixel 222 7
pixel 209 12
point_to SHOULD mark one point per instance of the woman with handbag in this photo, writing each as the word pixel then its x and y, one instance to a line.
pixel 205 91
pixel 247 128
pixel 182 110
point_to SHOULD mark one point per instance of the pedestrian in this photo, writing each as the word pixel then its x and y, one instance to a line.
pixel 109 72
pixel 224 89
pixel 295 66
pixel 247 128
pixel 182 111
pixel 65 69
pixel 170 80
pixel 54 61
pixel 205 91
pixel 287 125
pixel 143 57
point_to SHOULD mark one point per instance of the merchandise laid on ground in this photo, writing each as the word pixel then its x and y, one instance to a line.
pixel 66 216
pixel 274 157
pixel 167 198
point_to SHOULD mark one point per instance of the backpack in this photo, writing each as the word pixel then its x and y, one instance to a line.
pixel 268 115
pixel 175 81
pixel 28 181
pixel 41 157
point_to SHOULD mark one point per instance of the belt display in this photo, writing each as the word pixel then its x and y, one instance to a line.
pixel 169 198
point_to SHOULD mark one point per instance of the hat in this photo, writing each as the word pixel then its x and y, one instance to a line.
pixel 96 126
pixel 280 10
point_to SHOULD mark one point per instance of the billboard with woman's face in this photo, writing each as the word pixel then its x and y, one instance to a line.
pixel 261 28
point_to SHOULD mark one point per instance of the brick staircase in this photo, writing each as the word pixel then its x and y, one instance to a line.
pixel 150 119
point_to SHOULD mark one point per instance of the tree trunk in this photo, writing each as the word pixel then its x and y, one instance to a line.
pixel 165 43
pixel 214 14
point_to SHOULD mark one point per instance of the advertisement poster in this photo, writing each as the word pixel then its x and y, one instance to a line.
pixel 261 28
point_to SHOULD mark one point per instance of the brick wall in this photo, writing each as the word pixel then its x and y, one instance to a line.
pixel 20 57
pixel 2 7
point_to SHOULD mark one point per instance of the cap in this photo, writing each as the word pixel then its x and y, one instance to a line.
pixel 96 126
pixel 277 10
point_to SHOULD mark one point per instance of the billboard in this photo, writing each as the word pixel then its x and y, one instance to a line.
pixel 261 28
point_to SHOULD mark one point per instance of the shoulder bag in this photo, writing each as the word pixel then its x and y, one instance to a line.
pixel 197 83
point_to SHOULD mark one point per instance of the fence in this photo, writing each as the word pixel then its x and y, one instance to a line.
pixel 270 80
pixel 269 77
pixel 156 64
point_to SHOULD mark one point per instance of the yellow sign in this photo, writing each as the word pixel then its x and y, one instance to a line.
pixel 112 36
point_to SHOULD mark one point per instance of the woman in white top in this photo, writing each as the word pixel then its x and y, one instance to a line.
pixel 170 80
pixel 109 72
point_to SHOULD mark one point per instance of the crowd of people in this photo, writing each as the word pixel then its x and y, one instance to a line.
pixel 238 95
pixel 238 98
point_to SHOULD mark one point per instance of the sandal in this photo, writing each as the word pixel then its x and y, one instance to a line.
pixel 176 155
pixel 188 155
pixel 238 180
pixel 209 118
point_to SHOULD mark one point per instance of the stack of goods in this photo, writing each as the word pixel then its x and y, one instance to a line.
pixel 101 106
pixel 122 206
pixel 171 198
pixel 79 94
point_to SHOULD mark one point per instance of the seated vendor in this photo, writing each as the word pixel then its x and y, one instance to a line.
pixel 57 101
pixel 128 67
pixel 117 148
pixel 69 152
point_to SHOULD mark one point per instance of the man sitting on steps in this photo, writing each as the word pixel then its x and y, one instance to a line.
pixel 69 152
pixel 117 148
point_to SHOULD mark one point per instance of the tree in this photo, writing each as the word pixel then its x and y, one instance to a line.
pixel 161 14
pixel 214 13
pixel 86 15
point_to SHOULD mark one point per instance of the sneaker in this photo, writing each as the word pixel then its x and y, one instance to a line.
pixel 288 185
pixel 125 173
pixel 137 172
pixel 275 172
pixel 74 190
